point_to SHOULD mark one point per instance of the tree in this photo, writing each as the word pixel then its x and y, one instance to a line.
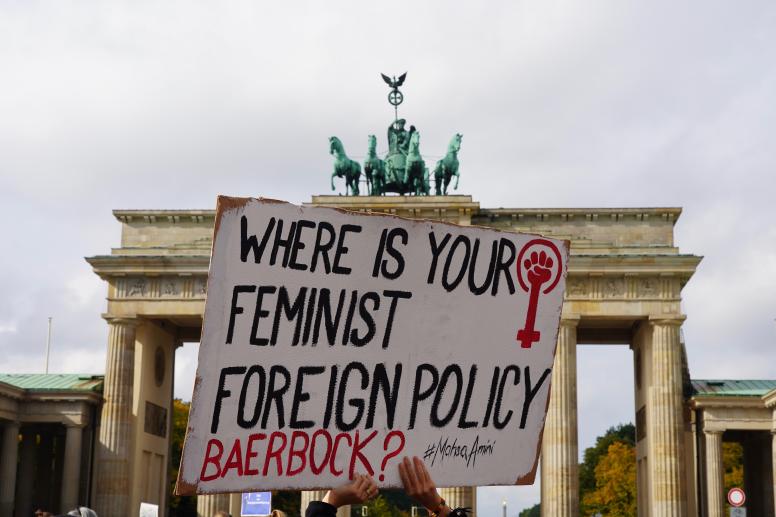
pixel 380 506
pixel 534 511
pixel 625 433
pixel 287 501
pixel 615 492
pixel 180 506
pixel 733 461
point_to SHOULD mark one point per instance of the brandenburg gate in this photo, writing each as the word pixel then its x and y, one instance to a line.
pixel 624 287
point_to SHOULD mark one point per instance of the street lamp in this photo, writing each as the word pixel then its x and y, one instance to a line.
pixel 504 508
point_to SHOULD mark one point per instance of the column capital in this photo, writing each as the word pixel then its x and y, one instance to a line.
pixel 569 320
pixel 667 321
pixel 713 432
pixel 121 320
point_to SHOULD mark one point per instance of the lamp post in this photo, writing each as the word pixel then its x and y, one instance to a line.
pixel 48 343
pixel 504 508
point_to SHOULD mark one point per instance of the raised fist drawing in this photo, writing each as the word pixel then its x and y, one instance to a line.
pixel 539 268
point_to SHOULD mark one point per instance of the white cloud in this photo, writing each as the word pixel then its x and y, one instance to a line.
pixel 7 328
pixel 148 105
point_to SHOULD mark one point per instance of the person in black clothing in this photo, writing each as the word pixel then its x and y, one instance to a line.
pixel 417 483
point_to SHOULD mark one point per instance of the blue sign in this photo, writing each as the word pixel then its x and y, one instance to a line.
pixel 256 504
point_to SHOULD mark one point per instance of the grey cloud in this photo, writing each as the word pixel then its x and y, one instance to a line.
pixel 128 105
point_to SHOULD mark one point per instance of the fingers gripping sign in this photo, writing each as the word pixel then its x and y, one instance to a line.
pixel 418 483
pixel 538 268
pixel 360 490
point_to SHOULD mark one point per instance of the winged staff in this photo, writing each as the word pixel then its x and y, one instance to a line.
pixel 394 83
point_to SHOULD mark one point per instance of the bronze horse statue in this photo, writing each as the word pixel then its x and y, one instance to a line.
pixel 374 169
pixel 416 173
pixel 344 167
pixel 447 167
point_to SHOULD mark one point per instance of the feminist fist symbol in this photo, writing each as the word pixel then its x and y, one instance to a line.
pixel 538 271
pixel 539 268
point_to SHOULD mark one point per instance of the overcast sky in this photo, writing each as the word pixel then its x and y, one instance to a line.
pixel 608 103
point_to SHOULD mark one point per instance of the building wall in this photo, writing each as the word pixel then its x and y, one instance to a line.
pixel 151 454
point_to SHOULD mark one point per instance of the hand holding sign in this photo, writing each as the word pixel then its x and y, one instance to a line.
pixel 419 485
pixel 360 490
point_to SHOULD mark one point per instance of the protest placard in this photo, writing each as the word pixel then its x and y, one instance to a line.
pixel 337 343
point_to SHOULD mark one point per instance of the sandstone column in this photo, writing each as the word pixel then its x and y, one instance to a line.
pixel 714 474
pixel 664 414
pixel 560 480
pixel 25 475
pixel 8 459
pixel 71 474
pixel 309 496
pixel 773 463
pixel 208 505
pixel 114 448
pixel 460 497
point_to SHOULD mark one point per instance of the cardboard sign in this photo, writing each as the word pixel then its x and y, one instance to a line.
pixel 337 343
pixel 149 510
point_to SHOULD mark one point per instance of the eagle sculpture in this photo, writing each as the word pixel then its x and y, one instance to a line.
pixel 394 83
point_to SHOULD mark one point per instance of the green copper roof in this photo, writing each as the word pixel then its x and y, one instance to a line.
pixel 731 387
pixel 53 381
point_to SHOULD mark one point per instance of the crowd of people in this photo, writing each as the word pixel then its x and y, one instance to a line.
pixel 414 476
pixel 417 483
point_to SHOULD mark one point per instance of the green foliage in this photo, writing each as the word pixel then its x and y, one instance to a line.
pixel 733 461
pixel 399 499
pixel 534 511
pixel 287 501
pixel 615 492
pixel 179 506
pixel 381 506
pixel 625 433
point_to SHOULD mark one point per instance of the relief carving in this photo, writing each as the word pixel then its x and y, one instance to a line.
pixel 577 286
pixel 170 287
pixel 137 287
pixel 614 287
pixel 648 287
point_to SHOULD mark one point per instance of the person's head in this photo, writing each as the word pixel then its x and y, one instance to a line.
pixel 278 513
pixel 82 511
pixel 222 513
pixel 43 513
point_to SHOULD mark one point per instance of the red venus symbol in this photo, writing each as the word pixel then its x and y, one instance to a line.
pixel 538 270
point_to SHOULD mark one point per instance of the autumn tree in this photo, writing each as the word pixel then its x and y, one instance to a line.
pixel 625 433
pixel 733 461
pixel 179 506
pixel 615 477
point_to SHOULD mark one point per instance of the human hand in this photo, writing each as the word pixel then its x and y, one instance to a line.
pixel 361 489
pixel 419 485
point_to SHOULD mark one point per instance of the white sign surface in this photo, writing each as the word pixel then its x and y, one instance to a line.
pixel 149 510
pixel 337 343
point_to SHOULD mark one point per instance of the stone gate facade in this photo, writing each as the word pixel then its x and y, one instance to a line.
pixel 624 287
